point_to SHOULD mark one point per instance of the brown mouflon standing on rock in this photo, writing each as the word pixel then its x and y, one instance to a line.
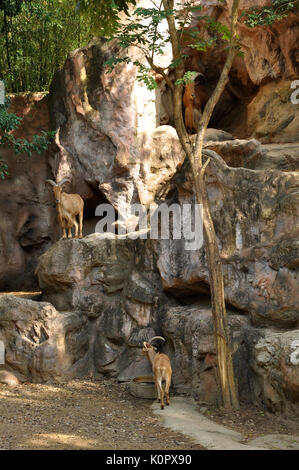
pixel 68 207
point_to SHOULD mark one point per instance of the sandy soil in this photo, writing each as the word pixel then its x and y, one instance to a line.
pixel 82 414
pixel 102 414
pixel 252 421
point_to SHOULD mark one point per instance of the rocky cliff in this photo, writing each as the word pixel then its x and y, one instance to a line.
pixel 102 296
pixel 256 102
pixel 28 218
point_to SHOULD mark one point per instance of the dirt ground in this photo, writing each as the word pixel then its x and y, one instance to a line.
pixel 82 414
pixel 252 421
pixel 102 414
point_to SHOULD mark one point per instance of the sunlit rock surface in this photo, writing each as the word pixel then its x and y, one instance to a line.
pixel 276 363
pixel 40 342
pixel 108 141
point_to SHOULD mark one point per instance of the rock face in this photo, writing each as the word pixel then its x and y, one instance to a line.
pixel 276 361
pixel 109 144
pixel 110 293
pixel 253 155
pixel 108 141
pixel 115 286
pixel 191 345
pixel 103 296
pixel 264 122
pixel 111 285
pixel 28 217
pixel 260 81
pixel 257 233
pixel 41 343
pixel 106 299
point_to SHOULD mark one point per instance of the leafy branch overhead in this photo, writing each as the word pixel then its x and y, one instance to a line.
pixel 145 29
pixel 103 14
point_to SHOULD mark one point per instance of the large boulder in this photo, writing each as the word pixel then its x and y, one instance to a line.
pixel 114 284
pixel 191 346
pixel 108 144
pixel 41 343
pixel 255 213
pixel 275 361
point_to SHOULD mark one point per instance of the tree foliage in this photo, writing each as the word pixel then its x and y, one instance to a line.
pixel 11 7
pixel 36 41
pixel 144 30
pixel 107 7
pixel 266 16
pixel 37 35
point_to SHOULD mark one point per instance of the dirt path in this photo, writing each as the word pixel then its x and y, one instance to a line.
pixel 82 414
pixel 85 414
pixel 263 432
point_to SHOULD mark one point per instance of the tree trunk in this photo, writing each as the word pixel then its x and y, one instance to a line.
pixel 6 41
pixel 222 339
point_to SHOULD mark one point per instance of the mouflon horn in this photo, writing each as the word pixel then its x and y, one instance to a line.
pixel 156 337
pixel 64 180
pixel 51 182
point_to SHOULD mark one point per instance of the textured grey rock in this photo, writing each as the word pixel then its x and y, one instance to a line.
pixel 115 286
pixel 257 233
pixel 275 361
pixel 125 306
pixel 253 155
pixel 191 345
pixel 107 298
pixel 40 342
pixel 108 143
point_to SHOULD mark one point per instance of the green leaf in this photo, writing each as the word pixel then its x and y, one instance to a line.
pixel 187 78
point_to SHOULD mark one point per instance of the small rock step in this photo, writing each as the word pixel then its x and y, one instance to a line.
pixel 32 295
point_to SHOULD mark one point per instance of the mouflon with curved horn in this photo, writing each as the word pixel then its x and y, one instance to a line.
pixel 161 369
pixel 68 206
